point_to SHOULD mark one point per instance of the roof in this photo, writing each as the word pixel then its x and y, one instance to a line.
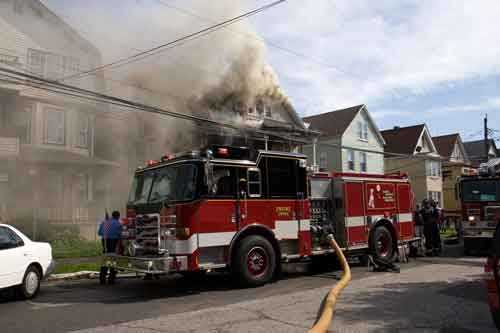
pixel 333 123
pixel 475 149
pixel 402 140
pixel 446 143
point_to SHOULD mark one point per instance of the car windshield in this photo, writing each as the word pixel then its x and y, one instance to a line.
pixel 483 190
pixel 172 183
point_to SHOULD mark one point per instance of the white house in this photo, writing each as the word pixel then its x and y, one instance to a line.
pixel 350 141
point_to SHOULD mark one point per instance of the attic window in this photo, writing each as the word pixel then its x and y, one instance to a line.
pixel 362 130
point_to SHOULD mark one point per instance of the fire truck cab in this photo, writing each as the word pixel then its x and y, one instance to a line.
pixel 480 201
pixel 248 211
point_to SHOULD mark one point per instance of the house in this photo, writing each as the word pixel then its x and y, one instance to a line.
pixel 455 163
pixel 477 151
pixel 411 150
pixel 55 164
pixel 350 141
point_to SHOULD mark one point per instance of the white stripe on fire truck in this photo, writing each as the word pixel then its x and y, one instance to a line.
pixel 406 217
pixel 354 221
pixel 215 238
pixel 305 225
pixel 287 229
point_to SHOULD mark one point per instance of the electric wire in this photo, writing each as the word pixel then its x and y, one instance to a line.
pixel 173 43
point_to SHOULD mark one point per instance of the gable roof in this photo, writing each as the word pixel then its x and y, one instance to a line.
pixel 402 140
pixel 445 144
pixel 333 123
pixel 475 149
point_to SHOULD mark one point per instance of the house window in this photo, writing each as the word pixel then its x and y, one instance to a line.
pixel 436 196
pixel 36 61
pixel 323 160
pixel 363 162
pixel 51 65
pixel 350 160
pixel 85 188
pixel 433 168
pixel 362 130
pixel 21 122
pixel 54 126
pixel 83 131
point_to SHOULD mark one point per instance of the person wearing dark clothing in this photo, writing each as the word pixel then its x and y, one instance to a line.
pixel 429 216
pixel 110 231
pixel 419 229
pixel 436 234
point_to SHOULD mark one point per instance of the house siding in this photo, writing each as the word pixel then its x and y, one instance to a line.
pixel 350 138
pixel 337 156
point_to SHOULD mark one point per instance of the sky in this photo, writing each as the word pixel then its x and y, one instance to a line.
pixel 410 61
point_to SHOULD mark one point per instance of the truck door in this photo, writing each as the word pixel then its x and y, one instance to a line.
pixel 405 215
pixel 355 218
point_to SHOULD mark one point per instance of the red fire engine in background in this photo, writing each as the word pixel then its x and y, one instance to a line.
pixel 480 201
pixel 248 211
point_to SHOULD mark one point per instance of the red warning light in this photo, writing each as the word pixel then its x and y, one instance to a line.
pixel 152 162
pixel 223 152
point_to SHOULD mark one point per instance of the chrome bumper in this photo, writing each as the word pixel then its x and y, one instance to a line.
pixel 146 265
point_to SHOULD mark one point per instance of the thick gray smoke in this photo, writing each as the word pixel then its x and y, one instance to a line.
pixel 221 75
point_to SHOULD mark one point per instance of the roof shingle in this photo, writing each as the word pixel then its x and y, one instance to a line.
pixel 333 123
pixel 445 144
pixel 402 140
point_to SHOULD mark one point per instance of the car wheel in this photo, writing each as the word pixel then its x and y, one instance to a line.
pixel 31 283
pixel 254 261
pixel 382 244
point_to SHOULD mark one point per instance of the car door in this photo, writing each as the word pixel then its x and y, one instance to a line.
pixel 13 259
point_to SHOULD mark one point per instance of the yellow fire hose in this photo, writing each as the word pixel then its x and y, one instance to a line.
pixel 326 317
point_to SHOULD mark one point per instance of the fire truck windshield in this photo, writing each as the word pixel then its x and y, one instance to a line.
pixel 481 190
pixel 172 183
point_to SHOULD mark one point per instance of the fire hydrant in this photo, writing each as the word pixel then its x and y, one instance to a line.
pixel 324 321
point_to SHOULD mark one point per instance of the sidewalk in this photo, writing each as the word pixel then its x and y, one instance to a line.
pixel 440 297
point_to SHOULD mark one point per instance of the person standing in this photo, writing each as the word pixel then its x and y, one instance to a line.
pixel 110 231
pixel 427 217
pixel 419 229
pixel 436 233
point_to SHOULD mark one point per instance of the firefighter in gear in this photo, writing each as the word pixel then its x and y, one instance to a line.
pixel 430 217
pixel 110 231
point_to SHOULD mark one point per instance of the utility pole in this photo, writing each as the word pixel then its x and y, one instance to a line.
pixel 486 145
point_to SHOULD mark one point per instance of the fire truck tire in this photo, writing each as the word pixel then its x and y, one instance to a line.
pixel 254 263
pixel 382 243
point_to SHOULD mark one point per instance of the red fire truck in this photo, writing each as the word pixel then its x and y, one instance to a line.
pixel 480 200
pixel 248 211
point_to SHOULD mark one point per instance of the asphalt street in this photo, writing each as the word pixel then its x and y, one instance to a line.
pixel 76 305
pixel 73 305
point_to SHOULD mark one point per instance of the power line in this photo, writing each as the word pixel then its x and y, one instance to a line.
pixel 262 39
pixel 21 78
pixel 171 44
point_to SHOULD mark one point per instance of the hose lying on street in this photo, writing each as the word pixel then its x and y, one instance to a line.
pixel 324 321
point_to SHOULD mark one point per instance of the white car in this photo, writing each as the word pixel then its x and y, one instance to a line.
pixel 23 263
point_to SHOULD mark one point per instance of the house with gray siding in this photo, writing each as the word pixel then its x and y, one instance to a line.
pixel 350 141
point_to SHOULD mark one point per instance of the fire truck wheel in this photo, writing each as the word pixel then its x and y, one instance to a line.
pixel 254 262
pixel 382 243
